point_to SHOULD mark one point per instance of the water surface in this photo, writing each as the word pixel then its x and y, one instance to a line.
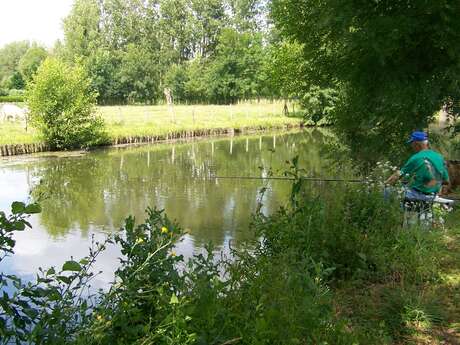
pixel 89 195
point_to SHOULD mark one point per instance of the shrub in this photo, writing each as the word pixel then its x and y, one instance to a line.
pixel 13 99
pixel 49 309
pixel 253 299
pixel 62 104
pixel 354 234
pixel 155 298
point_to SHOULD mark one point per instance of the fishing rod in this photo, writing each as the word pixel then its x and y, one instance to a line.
pixel 313 179
pixel 286 178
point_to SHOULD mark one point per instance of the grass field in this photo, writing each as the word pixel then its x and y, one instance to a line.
pixel 125 121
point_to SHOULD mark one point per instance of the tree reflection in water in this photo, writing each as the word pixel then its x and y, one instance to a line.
pixel 96 191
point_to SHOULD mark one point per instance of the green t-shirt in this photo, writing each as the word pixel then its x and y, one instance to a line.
pixel 424 167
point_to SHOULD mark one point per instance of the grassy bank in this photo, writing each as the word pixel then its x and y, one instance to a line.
pixel 398 310
pixel 161 120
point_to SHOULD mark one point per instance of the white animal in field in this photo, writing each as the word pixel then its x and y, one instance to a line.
pixel 11 112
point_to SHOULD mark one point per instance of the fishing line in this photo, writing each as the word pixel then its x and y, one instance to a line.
pixel 313 179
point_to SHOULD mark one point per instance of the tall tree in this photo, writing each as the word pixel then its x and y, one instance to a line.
pixel 176 30
pixel 131 49
pixel 138 75
pixel 248 15
pixel 196 84
pixel 103 66
pixel 210 18
pixel 396 62
pixel 82 29
pixel 234 70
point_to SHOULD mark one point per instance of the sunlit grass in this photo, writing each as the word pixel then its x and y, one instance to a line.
pixel 15 133
pixel 126 121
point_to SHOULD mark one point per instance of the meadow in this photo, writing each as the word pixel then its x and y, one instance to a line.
pixel 160 120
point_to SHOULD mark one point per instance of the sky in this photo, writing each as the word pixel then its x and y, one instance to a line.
pixel 32 20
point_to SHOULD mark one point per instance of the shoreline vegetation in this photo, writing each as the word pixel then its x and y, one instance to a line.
pixel 145 124
pixel 336 267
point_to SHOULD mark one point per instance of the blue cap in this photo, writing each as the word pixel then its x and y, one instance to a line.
pixel 417 136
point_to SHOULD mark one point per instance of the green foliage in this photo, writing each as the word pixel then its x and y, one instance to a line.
pixel 62 106
pixel 395 64
pixel 177 28
pixel 205 51
pixel 318 103
pixel 12 98
pixel 18 63
pixel 234 71
pixel 154 300
pixel 286 69
pixel 176 78
pixel 10 55
pixel 196 85
pixel 138 76
pixel 30 62
pixel 288 75
pixel 351 231
pixel 154 303
pixel 148 288
pixel 14 81
pixel 81 29
pixel 47 310
pixel 101 67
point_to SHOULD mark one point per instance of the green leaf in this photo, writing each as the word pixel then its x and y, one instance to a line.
pixel 33 208
pixel 64 279
pixel 18 207
pixel 50 271
pixel 71 266
pixel 84 261
pixel 19 225
pixel 174 299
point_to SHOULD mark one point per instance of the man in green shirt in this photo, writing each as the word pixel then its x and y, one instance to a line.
pixel 425 172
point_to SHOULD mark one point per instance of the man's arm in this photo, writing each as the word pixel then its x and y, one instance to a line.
pixel 394 178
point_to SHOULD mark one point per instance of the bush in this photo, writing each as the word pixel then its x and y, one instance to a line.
pixel 261 300
pixel 62 104
pixel 156 299
pixel 13 99
pixel 354 234
pixel 318 103
pixel 50 309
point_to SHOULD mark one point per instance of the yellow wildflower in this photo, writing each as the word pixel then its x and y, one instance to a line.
pixel 164 230
pixel 99 317
pixel 173 253
pixel 139 240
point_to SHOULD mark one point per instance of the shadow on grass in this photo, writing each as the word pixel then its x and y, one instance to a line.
pixel 399 312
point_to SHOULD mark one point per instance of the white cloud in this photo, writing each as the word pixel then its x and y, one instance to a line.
pixel 32 20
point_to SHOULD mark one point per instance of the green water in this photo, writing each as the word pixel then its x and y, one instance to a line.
pixel 90 194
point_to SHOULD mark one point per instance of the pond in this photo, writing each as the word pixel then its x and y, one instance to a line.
pixel 88 195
